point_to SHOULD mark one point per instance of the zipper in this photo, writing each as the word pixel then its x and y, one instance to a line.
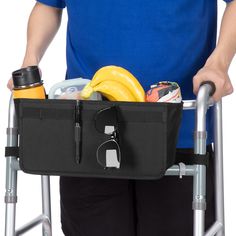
pixel 78 132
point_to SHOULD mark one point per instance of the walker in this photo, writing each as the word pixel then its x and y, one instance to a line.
pixel 197 171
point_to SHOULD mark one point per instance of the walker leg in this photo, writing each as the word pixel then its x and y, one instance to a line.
pixel 10 198
pixel 46 205
pixel 199 200
pixel 199 178
pixel 11 174
pixel 219 179
pixel 12 166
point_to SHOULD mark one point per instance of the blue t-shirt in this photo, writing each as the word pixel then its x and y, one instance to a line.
pixel 155 40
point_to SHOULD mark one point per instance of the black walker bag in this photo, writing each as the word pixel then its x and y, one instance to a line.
pixel 59 137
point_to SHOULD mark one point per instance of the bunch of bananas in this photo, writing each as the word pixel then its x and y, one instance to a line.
pixel 116 84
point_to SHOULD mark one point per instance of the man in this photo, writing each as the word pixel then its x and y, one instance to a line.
pixel 156 40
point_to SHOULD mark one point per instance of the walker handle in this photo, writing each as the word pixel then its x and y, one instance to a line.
pixel 212 85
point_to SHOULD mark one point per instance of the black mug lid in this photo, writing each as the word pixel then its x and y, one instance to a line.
pixel 26 76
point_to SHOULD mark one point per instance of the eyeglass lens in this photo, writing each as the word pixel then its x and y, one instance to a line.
pixel 106 120
pixel 108 154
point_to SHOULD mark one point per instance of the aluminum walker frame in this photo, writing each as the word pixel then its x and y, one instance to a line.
pixel 197 171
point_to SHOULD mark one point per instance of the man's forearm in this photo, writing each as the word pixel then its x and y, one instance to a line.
pixel 43 24
pixel 217 65
pixel 226 47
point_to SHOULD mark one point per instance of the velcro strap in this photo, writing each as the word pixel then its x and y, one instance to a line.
pixel 193 159
pixel 199 159
pixel 11 151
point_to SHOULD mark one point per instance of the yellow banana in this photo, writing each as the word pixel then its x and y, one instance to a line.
pixel 110 98
pixel 115 91
pixel 86 91
pixel 118 74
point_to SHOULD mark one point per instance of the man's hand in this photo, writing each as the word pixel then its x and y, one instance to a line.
pixel 217 65
pixel 218 76
pixel 10 84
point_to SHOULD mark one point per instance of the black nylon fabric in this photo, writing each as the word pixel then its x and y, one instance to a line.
pixel 148 135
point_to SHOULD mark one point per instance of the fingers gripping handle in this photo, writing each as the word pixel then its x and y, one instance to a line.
pixel 207 89
pixel 212 85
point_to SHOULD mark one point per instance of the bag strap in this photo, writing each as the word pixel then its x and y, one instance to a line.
pixel 194 159
pixel 11 151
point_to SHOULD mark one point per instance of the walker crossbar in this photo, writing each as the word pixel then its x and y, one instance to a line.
pixel 197 171
pixel 40 219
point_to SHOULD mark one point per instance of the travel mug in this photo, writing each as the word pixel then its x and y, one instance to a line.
pixel 28 84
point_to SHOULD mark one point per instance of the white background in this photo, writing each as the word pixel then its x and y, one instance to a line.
pixel 13 21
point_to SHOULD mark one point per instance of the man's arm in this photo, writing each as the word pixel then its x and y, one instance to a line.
pixel 217 65
pixel 43 24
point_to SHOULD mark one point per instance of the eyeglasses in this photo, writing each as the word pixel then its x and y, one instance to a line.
pixel 108 153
